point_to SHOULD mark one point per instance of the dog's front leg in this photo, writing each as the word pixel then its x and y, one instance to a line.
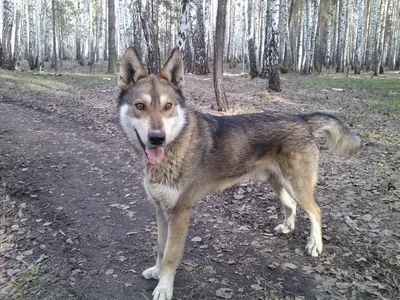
pixel 162 233
pixel 177 231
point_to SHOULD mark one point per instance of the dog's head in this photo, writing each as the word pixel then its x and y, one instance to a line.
pixel 152 107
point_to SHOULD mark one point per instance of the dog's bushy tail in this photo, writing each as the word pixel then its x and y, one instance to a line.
pixel 338 135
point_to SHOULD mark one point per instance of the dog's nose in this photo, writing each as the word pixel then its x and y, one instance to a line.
pixel 156 138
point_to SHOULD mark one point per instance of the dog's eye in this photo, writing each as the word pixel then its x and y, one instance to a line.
pixel 168 106
pixel 140 106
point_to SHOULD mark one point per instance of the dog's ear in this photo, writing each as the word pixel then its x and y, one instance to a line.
pixel 174 69
pixel 131 69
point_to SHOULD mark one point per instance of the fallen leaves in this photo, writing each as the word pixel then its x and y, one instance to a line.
pixel 225 293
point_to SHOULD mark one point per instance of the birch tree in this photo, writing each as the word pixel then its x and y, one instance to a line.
pixel 273 54
pixel 341 36
pixel 360 36
pixel 8 19
pixel 183 27
pixel 200 58
pixel 372 53
pixel 112 54
pixel 54 35
pixel 17 46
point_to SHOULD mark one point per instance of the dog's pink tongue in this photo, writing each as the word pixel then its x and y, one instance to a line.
pixel 155 156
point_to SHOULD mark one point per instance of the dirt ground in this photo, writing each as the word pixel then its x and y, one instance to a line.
pixel 75 222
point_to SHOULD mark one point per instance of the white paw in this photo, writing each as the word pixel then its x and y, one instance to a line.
pixel 163 290
pixel 153 272
pixel 314 246
pixel 284 228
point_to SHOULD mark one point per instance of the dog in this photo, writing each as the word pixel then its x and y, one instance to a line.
pixel 188 155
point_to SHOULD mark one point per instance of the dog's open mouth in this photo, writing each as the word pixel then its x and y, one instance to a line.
pixel 155 156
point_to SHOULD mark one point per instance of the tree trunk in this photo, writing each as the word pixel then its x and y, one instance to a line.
pixel 360 36
pixel 328 45
pixel 183 27
pixel 287 51
pixel 265 66
pixel 17 47
pixel 273 55
pixel 54 37
pixel 200 59
pixel 112 60
pixel 8 18
pixel 253 59
pixel 341 35
pixel 219 43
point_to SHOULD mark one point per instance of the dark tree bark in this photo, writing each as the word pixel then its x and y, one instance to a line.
pixel 150 35
pixel 253 59
pixel 265 66
pixel 8 17
pixel 219 42
pixel 200 59
pixel 54 36
pixel 112 54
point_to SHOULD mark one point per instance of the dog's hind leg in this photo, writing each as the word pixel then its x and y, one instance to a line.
pixel 289 205
pixel 303 183
pixel 162 234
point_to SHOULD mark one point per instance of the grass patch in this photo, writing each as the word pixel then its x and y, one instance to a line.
pixel 386 92
pixel 24 282
pixel 373 136
pixel 51 82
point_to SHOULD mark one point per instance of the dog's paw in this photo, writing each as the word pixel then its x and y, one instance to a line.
pixel 314 246
pixel 163 291
pixel 284 228
pixel 153 272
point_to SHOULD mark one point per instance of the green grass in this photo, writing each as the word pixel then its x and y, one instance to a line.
pixel 385 92
pixel 51 82
pixel 373 136
pixel 24 282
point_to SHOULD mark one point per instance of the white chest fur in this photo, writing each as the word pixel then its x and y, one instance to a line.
pixel 165 195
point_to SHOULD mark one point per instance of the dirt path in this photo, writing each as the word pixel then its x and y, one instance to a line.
pixel 76 223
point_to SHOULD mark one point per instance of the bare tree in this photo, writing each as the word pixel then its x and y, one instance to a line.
pixel 112 54
pixel 219 43
pixel 8 18
pixel 17 43
pixel 273 55
pixel 360 36
pixel 54 35
pixel 250 42
pixel 200 59
pixel 183 27
pixel 341 33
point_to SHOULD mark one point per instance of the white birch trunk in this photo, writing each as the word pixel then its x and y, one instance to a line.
pixel 8 19
pixel 360 36
pixel 183 27
pixel 372 55
pixel 273 74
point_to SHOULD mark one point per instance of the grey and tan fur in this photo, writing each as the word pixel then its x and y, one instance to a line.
pixel 188 155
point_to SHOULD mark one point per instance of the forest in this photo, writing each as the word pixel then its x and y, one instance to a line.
pixel 300 36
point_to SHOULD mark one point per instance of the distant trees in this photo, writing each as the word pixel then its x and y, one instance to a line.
pixel 311 35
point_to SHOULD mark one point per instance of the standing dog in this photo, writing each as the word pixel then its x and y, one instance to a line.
pixel 189 155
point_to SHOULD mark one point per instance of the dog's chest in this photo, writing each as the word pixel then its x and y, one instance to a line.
pixel 165 195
